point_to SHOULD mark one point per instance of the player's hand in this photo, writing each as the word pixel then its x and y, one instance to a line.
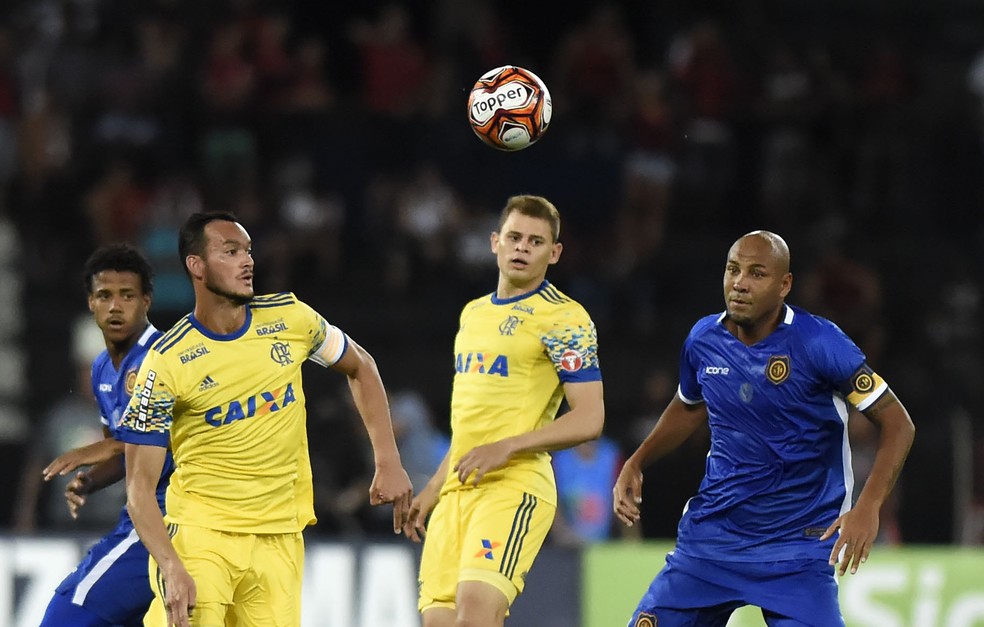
pixel 858 530
pixel 66 463
pixel 391 484
pixel 482 460
pixel 627 494
pixel 76 491
pixel 421 507
pixel 179 600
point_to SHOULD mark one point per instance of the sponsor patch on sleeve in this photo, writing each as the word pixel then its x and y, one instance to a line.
pixel 571 360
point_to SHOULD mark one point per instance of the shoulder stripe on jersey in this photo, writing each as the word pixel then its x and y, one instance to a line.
pixel 163 347
pixel 272 297
pixel 520 527
pixel 255 305
pixel 180 326
pixel 550 294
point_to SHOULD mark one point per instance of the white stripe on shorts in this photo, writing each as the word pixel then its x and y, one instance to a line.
pixel 82 590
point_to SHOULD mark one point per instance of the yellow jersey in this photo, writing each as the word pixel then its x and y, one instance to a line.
pixel 232 409
pixel 512 357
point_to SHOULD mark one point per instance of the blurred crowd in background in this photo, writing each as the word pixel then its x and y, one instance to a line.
pixel 338 134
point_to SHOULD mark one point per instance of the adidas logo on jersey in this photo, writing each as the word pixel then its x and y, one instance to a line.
pixel 207 383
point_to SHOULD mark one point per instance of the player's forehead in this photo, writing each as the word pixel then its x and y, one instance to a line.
pixel 116 280
pixel 218 233
pixel 753 250
pixel 526 225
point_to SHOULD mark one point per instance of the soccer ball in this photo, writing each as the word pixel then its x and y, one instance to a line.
pixel 509 108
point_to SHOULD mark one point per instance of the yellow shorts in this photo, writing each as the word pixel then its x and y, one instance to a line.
pixel 483 534
pixel 240 578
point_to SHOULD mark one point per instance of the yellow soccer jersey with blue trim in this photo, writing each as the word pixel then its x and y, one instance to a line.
pixel 232 409
pixel 512 357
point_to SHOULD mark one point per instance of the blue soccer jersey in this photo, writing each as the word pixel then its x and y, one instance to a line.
pixel 111 584
pixel 113 388
pixel 779 467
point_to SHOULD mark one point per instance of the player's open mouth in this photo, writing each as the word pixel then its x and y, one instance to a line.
pixel 518 263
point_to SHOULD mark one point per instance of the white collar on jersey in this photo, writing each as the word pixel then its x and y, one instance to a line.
pixel 786 319
pixel 150 330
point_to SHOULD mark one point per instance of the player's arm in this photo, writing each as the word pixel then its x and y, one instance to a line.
pixel 105 473
pixel 390 484
pixel 144 464
pixel 677 423
pixel 583 422
pixel 92 480
pixel 859 526
pixel 88 455
pixel 425 502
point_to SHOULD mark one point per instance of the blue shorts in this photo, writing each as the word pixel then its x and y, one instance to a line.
pixel 696 592
pixel 111 583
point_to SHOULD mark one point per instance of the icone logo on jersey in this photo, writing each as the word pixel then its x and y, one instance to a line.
pixel 716 370
pixel 481 363
pixel 256 405
pixel 571 360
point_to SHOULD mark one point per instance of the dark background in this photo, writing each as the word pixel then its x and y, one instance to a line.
pixel 340 139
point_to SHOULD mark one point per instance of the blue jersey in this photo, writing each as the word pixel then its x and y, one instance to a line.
pixel 113 387
pixel 111 584
pixel 779 467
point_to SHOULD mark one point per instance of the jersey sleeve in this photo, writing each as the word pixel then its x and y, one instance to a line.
pixel 572 346
pixel 689 389
pixel 148 416
pixel 328 342
pixel 841 364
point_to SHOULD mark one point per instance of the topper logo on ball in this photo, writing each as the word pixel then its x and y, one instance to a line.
pixel 509 108
pixel 508 96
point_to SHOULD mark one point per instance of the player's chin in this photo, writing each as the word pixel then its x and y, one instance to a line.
pixel 740 315
pixel 117 333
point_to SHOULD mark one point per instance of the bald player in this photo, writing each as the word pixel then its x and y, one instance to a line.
pixel 773 519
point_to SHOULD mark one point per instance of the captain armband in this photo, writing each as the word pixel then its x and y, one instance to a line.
pixel 332 349
pixel 864 388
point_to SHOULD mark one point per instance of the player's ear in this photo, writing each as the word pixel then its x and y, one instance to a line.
pixel 787 284
pixel 195 265
pixel 555 252
pixel 494 240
